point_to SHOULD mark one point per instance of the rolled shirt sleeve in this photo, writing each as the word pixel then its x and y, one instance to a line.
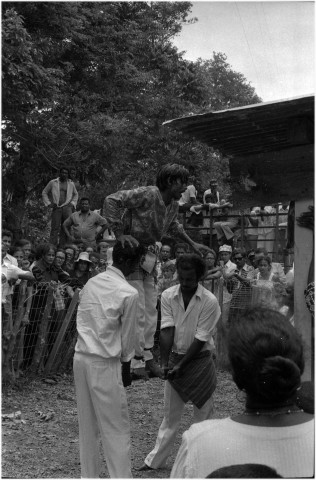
pixel 208 319
pixel 167 319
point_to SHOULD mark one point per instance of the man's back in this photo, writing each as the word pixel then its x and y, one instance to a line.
pixel 106 312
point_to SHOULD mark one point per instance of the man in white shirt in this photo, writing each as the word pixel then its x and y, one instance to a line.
pixel 189 314
pixel 188 197
pixel 10 273
pixel 211 195
pixel 60 194
pixel 106 324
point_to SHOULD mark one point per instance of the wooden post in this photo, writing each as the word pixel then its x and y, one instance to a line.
pixel 221 336
pixel 242 232
pixel 42 334
pixel 211 228
pixel 8 363
pixel 62 332
pixel 275 255
pixel 68 353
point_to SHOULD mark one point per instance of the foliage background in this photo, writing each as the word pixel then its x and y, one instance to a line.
pixel 89 84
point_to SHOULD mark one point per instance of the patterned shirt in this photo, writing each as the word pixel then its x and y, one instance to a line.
pixel 141 213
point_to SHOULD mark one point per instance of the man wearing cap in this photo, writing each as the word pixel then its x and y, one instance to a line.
pixel 61 196
pixel 84 223
pixel 228 269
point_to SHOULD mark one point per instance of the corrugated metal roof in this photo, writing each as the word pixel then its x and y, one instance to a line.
pixel 253 129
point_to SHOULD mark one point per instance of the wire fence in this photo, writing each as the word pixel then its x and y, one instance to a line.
pixel 43 332
pixel 40 335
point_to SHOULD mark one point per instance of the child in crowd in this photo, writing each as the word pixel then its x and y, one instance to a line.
pixel 102 248
pixel 167 280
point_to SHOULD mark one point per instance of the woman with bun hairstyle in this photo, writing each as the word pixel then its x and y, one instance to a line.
pixel 266 356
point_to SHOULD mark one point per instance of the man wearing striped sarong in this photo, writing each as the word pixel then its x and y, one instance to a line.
pixel 189 314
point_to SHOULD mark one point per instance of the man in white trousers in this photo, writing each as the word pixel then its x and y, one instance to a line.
pixel 189 314
pixel 106 320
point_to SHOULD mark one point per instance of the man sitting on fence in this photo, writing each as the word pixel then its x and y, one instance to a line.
pixel 106 324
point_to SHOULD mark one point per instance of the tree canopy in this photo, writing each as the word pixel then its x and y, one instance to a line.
pixel 89 84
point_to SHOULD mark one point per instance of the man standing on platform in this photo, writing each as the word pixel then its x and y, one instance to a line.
pixel 106 320
pixel 61 196
pixel 149 214
pixel 189 314
pixel 85 224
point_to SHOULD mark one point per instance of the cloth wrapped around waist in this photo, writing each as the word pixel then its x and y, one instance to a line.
pixel 147 264
pixel 197 381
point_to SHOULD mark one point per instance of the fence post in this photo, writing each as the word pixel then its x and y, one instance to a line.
pixel 43 327
pixel 211 228
pixel 62 332
pixel 221 335
pixel 8 364
pixel 69 353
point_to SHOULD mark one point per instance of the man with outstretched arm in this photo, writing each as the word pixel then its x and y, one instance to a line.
pixel 189 314
pixel 149 214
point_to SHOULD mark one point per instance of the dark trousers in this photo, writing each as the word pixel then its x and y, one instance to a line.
pixel 59 215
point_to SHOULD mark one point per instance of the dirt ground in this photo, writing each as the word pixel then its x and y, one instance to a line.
pixel 42 441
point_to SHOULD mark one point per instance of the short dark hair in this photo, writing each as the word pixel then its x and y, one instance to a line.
pixel 192 261
pixel 15 249
pixel 210 251
pixel 170 173
pixel 245 470
pixel 43 249
pixel 84 199
pixel 266 258
pixel 64 167
pixel 120 254
pixel 185 247
pixel 22 242
pixel 266 355
pixel 7 233
pixel 94 254
pixel 99 243
pixel 240 251
pixel 261 250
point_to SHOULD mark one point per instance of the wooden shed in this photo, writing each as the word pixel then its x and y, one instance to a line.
pixel 270 147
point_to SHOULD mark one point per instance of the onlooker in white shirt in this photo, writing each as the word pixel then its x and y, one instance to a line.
pixel 106 324
pixel 10 273
pixel 61 196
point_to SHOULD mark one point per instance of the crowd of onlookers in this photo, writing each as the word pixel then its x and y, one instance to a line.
pixel 237 277
pixel 34 271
